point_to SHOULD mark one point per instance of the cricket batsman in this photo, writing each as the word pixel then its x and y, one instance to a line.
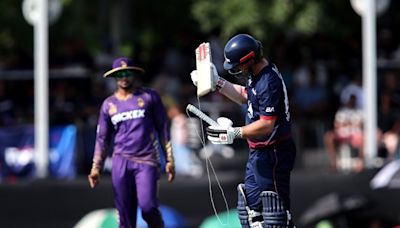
pixel 263 198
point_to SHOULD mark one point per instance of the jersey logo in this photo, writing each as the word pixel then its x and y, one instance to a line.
pixel 112 109
pixel 249 110
pixel 270 109
pixel 140 102
pixel 254 91
pixel 129 115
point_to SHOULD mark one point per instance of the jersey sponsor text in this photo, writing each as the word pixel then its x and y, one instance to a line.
pixel 128 115
pixel 270 109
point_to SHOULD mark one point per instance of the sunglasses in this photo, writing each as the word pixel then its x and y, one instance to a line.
pixel 124 73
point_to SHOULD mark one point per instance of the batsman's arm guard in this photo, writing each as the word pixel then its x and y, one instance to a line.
pixel 247 216
pixel 234 92
pixel 275 214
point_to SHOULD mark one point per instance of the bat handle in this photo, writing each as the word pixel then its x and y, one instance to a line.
pixel 201 115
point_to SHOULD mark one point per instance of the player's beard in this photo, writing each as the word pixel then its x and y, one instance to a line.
pixel 243 77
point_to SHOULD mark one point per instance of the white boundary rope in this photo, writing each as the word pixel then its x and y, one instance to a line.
pixel 207 119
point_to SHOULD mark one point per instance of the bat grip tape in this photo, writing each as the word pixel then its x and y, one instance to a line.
pixel 201 115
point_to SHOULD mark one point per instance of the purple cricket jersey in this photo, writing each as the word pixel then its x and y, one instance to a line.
pixel 135 125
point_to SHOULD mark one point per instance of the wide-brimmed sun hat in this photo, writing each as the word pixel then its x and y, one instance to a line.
pixel 123 63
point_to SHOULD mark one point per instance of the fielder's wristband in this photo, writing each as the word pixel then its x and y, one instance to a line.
pixel 220 83
pixel 170 155
pixel 96 166
pixel 98 160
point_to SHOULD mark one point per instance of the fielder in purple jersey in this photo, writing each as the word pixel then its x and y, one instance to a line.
pixel 263 199
pixel 135 119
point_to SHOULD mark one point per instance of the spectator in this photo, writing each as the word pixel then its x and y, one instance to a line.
pixel 344 143
pixel 353 88
pixel 311 99
pixel 390 141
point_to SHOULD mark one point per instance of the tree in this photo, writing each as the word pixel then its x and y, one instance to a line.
pixel 266 18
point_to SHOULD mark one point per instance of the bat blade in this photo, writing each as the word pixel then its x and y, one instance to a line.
pixel 203 67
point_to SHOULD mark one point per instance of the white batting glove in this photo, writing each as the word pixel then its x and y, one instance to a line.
pixel 224 122
pixel 216 80
pixel 224 133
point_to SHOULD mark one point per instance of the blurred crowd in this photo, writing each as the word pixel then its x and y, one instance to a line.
pixel 324 80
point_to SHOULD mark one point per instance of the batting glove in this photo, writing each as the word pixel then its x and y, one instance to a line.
pixel 216 81
pixel 224 133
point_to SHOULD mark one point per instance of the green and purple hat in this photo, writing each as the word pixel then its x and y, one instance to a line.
pixel 123 64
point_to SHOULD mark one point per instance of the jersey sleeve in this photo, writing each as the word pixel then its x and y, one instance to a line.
pixel 162 125
pixel 269 97
pixel 103 135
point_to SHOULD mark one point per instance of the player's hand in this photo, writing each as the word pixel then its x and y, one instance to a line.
pixel 170 169
pixel 224 133
pixel 94 177
pixel 193 76
pixel 214 77
pixel 220 135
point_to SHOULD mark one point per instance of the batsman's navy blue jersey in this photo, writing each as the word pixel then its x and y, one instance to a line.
pixel 268 99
